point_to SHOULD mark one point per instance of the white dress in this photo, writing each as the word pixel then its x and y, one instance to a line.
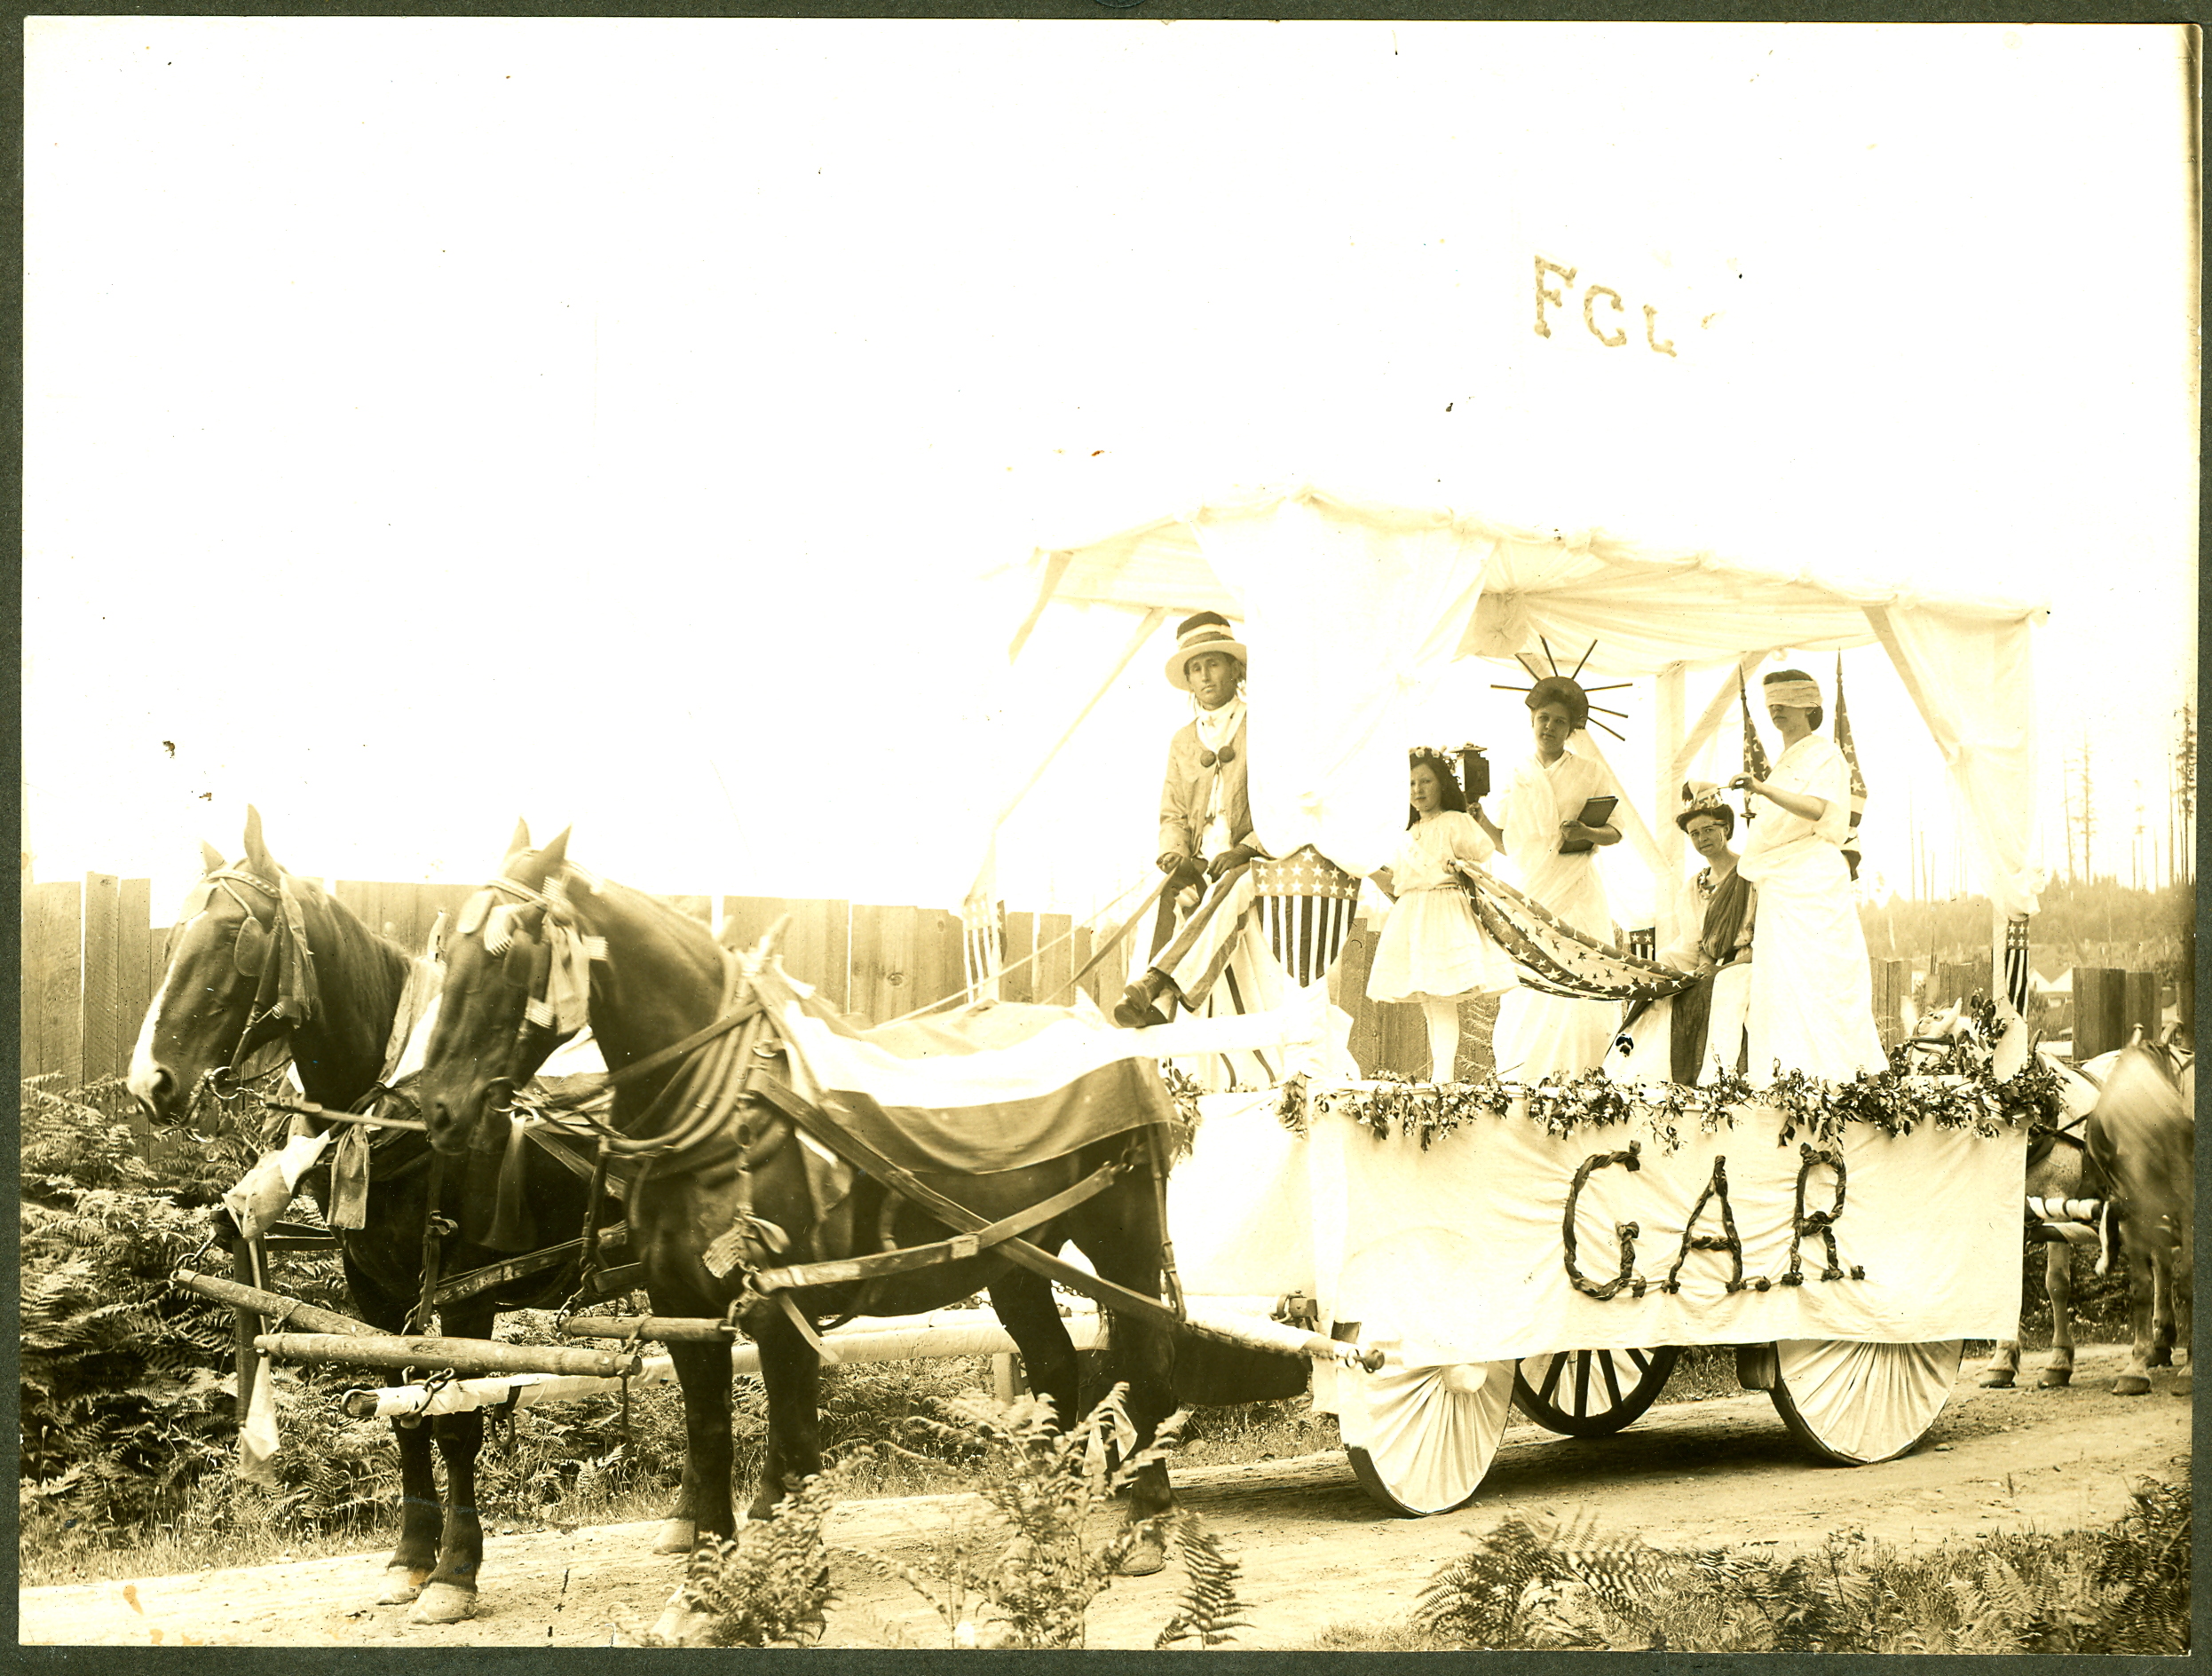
pixel 1433 947
pixel 1812 994
pixel 1539 1035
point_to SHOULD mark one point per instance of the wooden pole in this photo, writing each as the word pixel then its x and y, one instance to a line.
pixel 463 1355
pixel 250 1300
pixel 245 1264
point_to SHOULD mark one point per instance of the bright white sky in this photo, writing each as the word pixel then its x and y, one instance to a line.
pixel 430 422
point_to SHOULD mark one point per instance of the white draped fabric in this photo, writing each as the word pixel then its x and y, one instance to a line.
pixel 1386 1233
pixel 1353 614
pixel 1970 683
pixel 1360 606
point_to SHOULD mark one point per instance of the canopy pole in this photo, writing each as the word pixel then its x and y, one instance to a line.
pixel 1671 698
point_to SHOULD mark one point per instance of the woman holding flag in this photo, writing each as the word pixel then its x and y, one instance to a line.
pixel 1812 995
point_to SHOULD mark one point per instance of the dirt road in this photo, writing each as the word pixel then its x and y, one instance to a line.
pixel 1314 1549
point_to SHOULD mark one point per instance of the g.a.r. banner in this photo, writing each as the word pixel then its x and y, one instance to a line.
pixel 1501 1241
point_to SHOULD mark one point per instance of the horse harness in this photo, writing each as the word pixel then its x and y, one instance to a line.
pixel 727 1081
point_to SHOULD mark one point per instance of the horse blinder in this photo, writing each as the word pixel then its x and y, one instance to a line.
pixel 252 953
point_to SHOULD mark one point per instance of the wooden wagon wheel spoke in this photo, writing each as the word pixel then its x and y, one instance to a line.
pixel 1627 1383
pixel 1552 1376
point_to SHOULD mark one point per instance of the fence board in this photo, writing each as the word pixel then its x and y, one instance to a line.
pixel 1892 982
pixel 102 1030
pixel 1957 980
pixel 53 967
pixel 817 945
pixel 404 912
pixel 940 971
pixel 2138 1005
pixel 1019 983
pixel 1080 952
pixel 2099 999
pixel 1056 969
pixel 134 983
pixel 156 961
pixel 882 963
pixel 700 908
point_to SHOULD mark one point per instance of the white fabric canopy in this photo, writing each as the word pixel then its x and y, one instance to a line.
pixel 1362 607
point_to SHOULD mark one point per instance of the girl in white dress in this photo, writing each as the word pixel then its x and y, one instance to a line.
pixel 1432 950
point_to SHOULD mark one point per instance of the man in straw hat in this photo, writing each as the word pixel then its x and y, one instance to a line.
pixel 1695 1034
pixel 1205 824
pixel 1812 1004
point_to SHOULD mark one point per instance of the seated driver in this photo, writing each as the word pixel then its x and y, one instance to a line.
pixel 1205 824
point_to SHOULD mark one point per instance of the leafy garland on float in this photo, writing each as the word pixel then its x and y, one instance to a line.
pixel 1893 1101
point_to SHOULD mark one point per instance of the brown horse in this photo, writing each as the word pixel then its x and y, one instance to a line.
pixel 742 1189
pixel 2142 1136
pixel 241 975
pixel 2062 1173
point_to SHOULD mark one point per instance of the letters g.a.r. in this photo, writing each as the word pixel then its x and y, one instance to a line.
pixel 1712 1201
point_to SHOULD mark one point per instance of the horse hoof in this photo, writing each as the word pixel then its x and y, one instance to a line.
pixel 444 1603
pixel 2131 1385
pixel 2055 1379
pixel 1143 1560
pixel 677 1536
pixel 1997 1379
pixel 402 1584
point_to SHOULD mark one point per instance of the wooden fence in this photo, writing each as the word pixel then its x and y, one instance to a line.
pixel 92 958
pixel 92 961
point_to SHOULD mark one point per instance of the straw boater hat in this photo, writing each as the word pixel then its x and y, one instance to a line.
pixel 1701 797
pixel 1208 631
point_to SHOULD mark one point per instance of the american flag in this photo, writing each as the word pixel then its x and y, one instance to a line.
pixel 1858 780
pixel 1754 753
pixel 1306 904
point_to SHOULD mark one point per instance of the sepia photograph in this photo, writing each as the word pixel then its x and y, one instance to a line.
pixel 669 998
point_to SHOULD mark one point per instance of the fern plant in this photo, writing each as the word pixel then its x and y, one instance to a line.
pixel 2123 1589
pixel 770 1584
pixel 1027 1575
pixel 1207 1610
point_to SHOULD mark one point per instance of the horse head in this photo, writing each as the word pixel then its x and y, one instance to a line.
pixel 221 997
pixel 487 1040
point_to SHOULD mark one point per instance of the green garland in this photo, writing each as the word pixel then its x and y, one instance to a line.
pixel 1890 1101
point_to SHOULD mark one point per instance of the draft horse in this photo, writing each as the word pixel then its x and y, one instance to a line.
pixel 2142 1138
pixel 257 956
pixel 719 1197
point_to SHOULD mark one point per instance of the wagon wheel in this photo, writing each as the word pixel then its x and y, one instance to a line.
pixel 1425 1436
pixel 1858 1403
pixel 1591 1393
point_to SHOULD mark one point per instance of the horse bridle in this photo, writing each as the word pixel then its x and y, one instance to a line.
pixel 250 952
